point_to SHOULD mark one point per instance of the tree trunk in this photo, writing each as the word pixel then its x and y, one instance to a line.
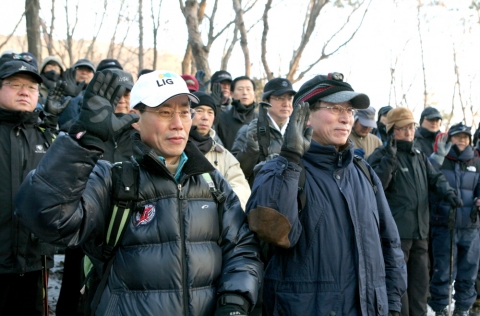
pixel 140 36
pixel 32 8
pixel 199 52
pixel 243 35
pixel 268 72
pixel 187 60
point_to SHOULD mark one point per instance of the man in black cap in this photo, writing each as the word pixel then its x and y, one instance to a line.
pixel 224 78
pixel 361 136
pixel 25 139
pixel 381 129
pixel 273 119
pixel 429 128
pixel 333 256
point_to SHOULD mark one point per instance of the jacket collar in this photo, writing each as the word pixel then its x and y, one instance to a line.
pixel 464 156
pixel 19 117
pixel 425 133
pixel 327 157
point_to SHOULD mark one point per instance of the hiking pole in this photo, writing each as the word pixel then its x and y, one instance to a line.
pixel 451 227
pixel 45 284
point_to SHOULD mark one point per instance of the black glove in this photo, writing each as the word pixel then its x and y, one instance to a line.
pixel 54 104
pixel 454 200
pixel 393 313
pixel 475 210
pixel 262 124
pixel 232 304
pixel 202 84
pixel 96 122
pixel 72 88
pixel 217 94
pixel 391 146
pixel 296 140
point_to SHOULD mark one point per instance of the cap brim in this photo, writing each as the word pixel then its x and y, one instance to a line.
pixel 358 100
pixel 35 75
pixel 86 65
pixel 153 101
pixel 459 132
pixel 267 94
pixel 367 122
pixel 433 116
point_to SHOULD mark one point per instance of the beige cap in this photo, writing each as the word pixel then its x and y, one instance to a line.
pixel 399 117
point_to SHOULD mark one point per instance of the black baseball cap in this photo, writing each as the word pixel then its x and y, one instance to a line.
pixel 85 63
pixel 109 63
pixel 277 86
pixel 219 76
pixel 459 128
pixel 124 77
pixel 24 63
pixel 332 89
pixel 430 114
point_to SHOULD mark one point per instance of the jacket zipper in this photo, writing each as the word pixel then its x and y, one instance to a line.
pixel 182 240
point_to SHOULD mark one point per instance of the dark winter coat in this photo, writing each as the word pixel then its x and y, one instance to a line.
pixel 232 119
pixel 25 140
pixel 119 148
pixel 424 140
pixel 462 172
pixel 407 179
pixel 247 157
pixel 342 255
pixel 169 261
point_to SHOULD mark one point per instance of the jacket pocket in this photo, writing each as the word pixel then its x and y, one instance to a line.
pixel 381 300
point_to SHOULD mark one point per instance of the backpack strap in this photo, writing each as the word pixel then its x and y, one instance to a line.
pixel 263 136
pixel 360 163
pixel 125 191
pixel 49 136
pixel 219 198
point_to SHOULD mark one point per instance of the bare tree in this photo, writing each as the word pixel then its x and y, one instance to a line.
pixel 140 35
pixel 32 8
pixel 68 43
pixel 269 73
pixel 243 35
pixel 14 29
pixel 111 47
pixel 90 49
pixel 48 34
pixel 422 55
pixel 227 52
pixel 156 25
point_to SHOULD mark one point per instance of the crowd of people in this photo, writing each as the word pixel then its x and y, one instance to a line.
pixel 173 195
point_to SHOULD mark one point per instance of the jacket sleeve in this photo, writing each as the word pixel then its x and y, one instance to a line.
pixel 242 269
pixel 235 177
pixel 272 209
pixel 63 201
pixel 384 165
pixel 247 157
pixel 395 267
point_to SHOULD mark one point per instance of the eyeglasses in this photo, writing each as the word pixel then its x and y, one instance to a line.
pixel 200 111
pixel 410 128
pixel 167 114
pixel 337 109
pixel 32 87
pixel 282 99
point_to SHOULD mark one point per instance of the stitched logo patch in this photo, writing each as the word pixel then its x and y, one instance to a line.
pixel 39 149
pixel 146 216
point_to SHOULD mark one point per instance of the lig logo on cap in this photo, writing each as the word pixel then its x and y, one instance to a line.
pixel 165 79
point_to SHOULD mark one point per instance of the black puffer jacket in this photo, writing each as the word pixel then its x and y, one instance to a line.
pixel 407 180
pixel 25 140
pixel 169 261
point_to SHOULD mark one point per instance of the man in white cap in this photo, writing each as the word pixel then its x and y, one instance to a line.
pixel 360 134
pixel 182 252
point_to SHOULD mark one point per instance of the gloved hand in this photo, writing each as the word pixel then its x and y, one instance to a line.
pixel 475 210
pixel 72 88
pixel 232 304
pixel 454 200
pixel 441 148
pixel 202 84
pixel 296 140
pixel 262 123
pixel 391 146
pixel 217 94
pixel 252 138
pixel 96 122
pixel 54 103
pixel 393 313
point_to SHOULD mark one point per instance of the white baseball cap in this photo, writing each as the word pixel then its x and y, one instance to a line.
pixel 154 88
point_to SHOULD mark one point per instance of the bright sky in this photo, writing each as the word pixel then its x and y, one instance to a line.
pixel 389 32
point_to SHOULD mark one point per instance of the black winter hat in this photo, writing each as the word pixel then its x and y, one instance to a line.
pixel 109 64
pixel 331 89
pixel 383 111
pixel 430 114
pixel 277 86
pixel 124 78
pixel 219 76
pixel 11 64
pixel 204 99
pixel 84 62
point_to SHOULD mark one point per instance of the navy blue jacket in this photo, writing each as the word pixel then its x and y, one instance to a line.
pixel 462 173
pixel 344 255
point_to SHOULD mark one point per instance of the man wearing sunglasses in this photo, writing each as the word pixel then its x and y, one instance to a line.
pixel 337 252
pixel 407 176
pixel 262 139
pixel 181 252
